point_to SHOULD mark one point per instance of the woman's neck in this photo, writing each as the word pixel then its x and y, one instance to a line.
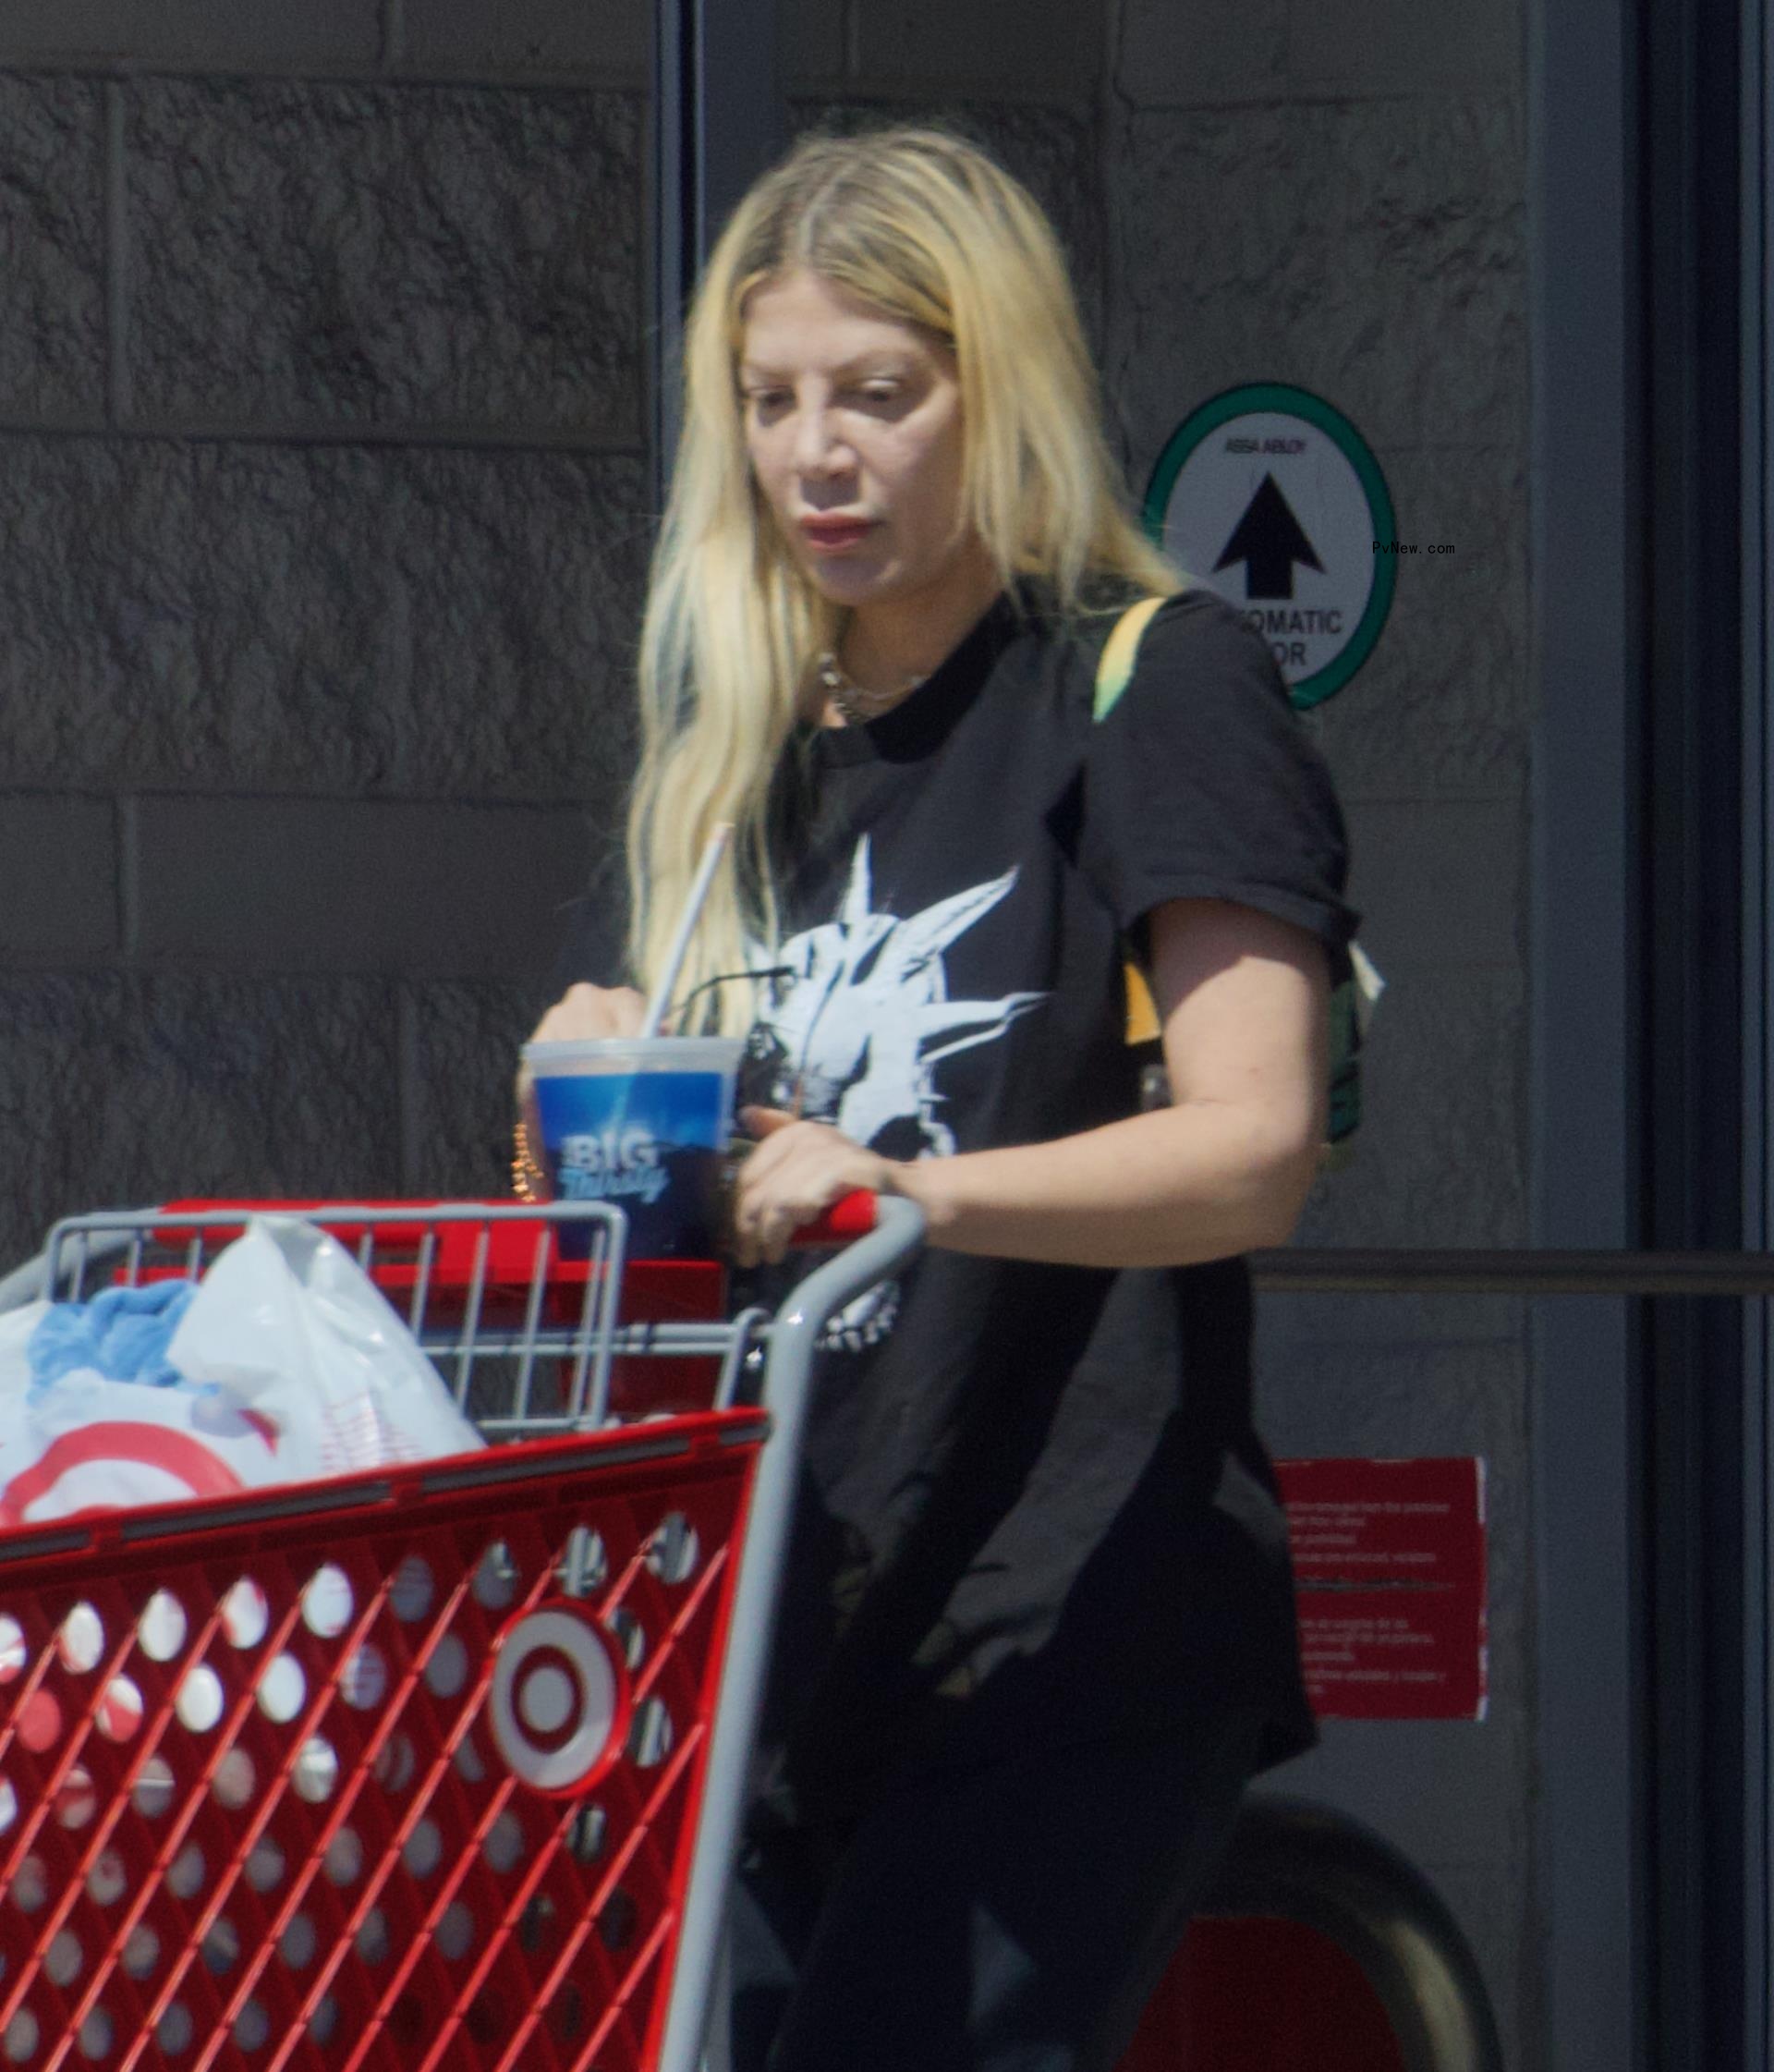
pixel 900 640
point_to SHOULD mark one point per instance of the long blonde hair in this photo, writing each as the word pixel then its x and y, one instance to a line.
pixel 932 232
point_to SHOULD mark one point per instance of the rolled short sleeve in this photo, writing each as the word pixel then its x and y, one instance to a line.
pixel 1202 784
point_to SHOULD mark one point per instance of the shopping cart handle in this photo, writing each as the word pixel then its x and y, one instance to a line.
pixel 850 1216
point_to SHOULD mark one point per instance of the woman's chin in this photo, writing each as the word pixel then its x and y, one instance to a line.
pixel 846 587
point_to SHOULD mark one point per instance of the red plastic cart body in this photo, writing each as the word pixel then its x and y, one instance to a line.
pixel 262 1809
pixel 402 1770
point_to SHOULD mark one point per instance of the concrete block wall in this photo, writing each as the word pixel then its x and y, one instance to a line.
pixel 323 490
pixel 1331 193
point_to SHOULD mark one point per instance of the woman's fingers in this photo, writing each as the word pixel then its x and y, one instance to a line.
pixel 587 1013
pixel 799 1170
pixel 583 1014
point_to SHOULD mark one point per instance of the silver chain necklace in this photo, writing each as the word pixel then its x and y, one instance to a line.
pixel 856 705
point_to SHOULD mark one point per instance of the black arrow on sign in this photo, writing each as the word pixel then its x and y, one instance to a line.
pixel 1268 539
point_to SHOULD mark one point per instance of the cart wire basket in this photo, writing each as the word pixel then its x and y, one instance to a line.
pixel 433 1766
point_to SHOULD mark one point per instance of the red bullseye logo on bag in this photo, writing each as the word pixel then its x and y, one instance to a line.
pixel 105 1466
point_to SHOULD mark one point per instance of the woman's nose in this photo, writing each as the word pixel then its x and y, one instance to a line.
pixel 819 446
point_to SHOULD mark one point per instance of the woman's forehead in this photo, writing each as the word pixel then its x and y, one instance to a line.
pixel 802 317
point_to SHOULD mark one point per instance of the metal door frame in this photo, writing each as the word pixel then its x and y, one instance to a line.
pixel 719 118
pixel 1648 1047
pixel 1583 1061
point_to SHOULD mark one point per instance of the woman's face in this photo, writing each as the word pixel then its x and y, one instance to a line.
pixel 854 426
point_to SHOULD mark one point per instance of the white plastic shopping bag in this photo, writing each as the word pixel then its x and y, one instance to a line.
pixel 291 1326
pixel 90 1441
pixel 285 1364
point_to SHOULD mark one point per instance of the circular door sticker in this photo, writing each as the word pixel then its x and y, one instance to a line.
pixel 1272 498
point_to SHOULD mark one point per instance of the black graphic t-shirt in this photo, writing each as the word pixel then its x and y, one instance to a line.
pixel 1033 1504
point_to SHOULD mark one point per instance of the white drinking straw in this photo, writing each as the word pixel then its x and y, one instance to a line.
pixel 661 996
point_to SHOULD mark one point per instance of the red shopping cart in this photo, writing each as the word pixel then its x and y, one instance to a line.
pixel 439 1766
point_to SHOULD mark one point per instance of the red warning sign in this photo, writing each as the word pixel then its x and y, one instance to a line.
pixel 1388 1558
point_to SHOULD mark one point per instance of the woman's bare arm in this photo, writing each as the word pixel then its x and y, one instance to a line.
pixel 1225 1169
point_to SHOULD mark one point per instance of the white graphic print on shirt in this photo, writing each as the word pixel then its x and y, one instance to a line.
pixel 861 1017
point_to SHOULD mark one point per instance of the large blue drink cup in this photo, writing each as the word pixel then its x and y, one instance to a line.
pixel 642 1122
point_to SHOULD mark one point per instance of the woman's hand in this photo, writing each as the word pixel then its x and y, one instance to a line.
pixel 582 1014
pixel 585 1013
pixel 798 1171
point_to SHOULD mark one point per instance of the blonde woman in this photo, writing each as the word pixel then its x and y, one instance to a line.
pixel 1040 1627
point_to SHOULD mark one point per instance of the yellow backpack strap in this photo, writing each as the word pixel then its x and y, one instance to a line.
pixel 1142 1009
pixel 1114 672
pixel 1115 666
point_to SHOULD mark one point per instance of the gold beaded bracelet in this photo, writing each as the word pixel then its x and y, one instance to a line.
pixel 529 1176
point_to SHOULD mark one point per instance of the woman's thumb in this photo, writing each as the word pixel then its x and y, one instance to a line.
pixel 763 1122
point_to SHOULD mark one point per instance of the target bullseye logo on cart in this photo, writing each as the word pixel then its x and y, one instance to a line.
pixel 559 1699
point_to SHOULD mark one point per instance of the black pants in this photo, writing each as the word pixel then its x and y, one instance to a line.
pixel 1012 1917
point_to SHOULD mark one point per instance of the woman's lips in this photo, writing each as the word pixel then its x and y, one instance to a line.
pixel 834 535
